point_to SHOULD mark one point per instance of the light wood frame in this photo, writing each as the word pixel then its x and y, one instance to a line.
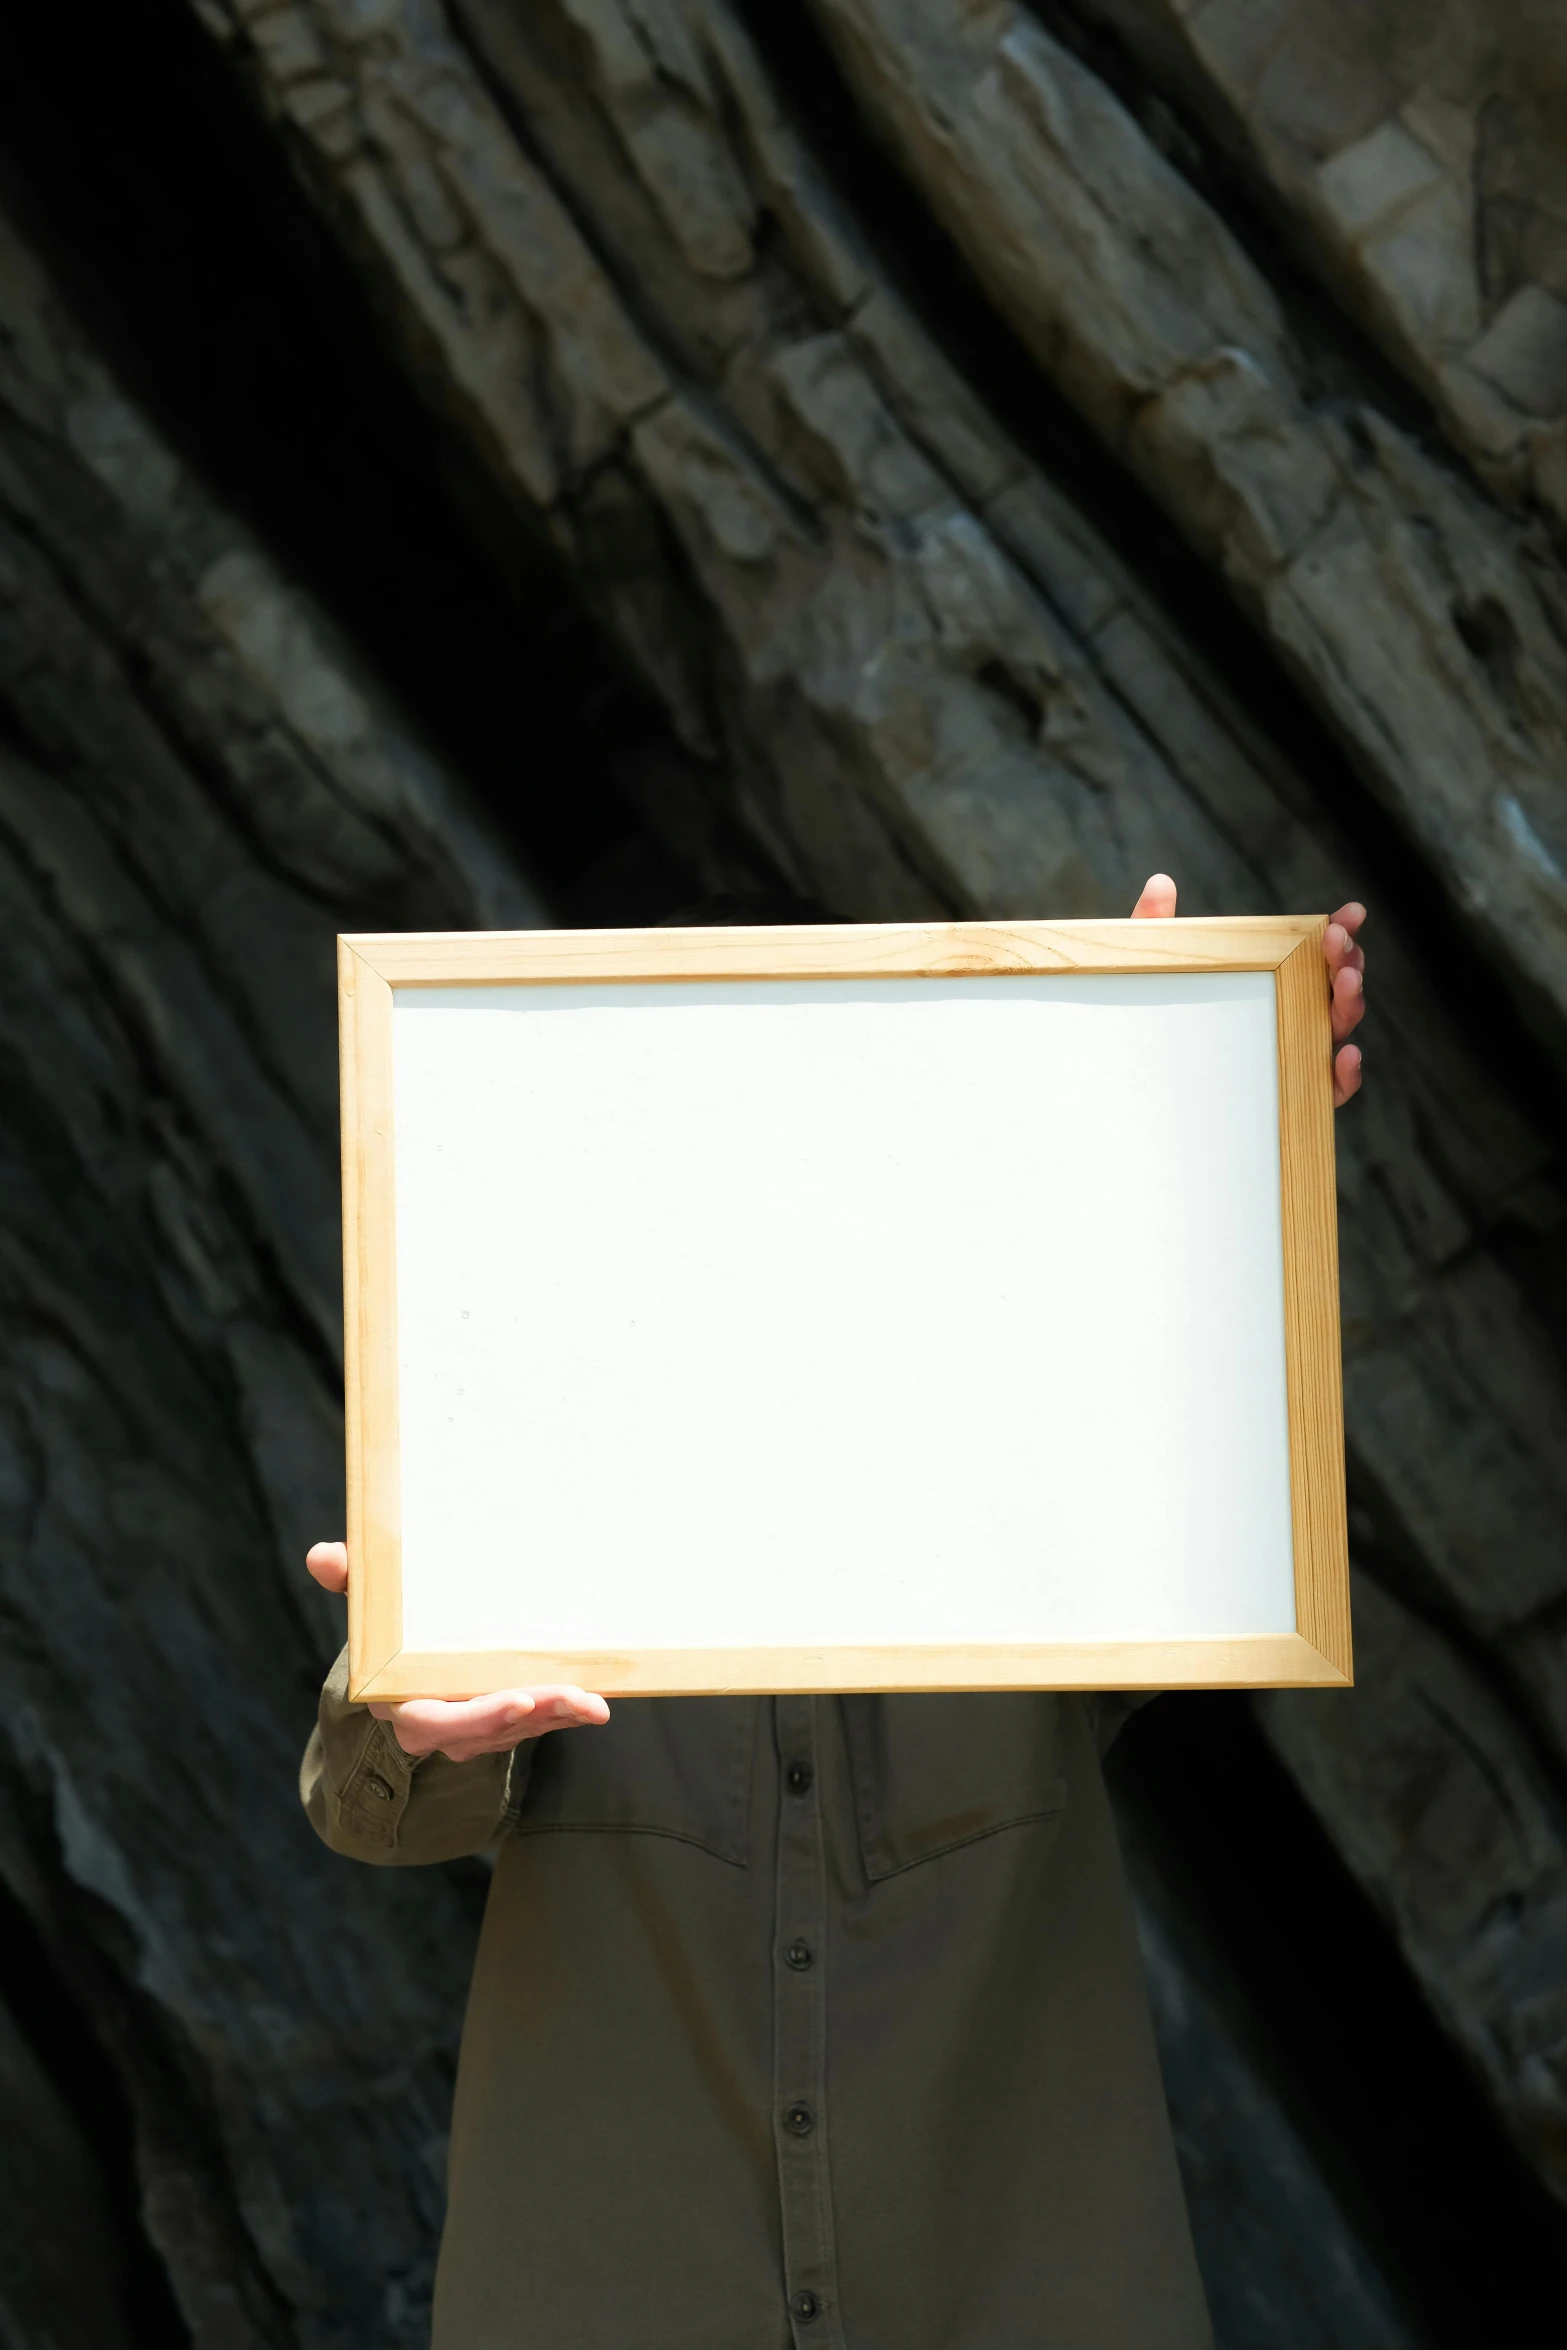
pixel 371 968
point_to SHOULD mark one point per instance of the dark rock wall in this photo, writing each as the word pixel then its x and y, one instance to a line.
pixel 475 465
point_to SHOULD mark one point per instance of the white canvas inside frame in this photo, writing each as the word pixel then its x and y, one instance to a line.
pixel 841 1311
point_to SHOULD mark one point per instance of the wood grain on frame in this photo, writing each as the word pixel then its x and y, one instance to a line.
pixel 1273 1660
pixel 860 950
pixel 372 966
pixel 375 1605
pixel 1312 1358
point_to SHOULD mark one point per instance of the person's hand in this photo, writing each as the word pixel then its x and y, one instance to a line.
pixel 472 1726
pixel 1346 975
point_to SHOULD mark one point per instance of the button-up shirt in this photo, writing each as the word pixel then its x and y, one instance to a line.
pixel 795 2021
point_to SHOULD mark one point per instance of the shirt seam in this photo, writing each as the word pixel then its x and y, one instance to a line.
pixel 1017 1819
pixel 526 1827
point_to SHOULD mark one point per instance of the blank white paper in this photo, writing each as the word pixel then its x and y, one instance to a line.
pixel 841 1311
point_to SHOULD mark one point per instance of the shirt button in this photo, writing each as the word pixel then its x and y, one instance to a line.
pixel 378 1788
pixel 805 2306
pixel 799 2121
pixel 797 1777
pixel 800 1956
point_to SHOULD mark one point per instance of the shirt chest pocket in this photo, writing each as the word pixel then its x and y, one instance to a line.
pixel 660 1766
pixel 934 1772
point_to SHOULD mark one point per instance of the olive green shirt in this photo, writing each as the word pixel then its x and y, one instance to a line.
pixel 795 2021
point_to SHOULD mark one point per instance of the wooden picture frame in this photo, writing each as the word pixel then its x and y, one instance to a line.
pixel 1314 1652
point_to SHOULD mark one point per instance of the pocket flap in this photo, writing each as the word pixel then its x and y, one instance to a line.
pixel 660 1766
pixel 934 1772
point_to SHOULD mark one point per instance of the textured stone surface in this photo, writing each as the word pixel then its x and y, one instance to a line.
pixel 1459 1839
pixel 1418 156
pixel 1244 2163
pixel 195 792
pixel 1425 625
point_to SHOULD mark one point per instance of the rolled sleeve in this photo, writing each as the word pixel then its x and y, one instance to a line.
pixel 369 1800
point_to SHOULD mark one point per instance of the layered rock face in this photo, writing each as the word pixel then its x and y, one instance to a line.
pixel 936 459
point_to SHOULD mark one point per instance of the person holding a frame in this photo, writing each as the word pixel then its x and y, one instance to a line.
pixel 795 2020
